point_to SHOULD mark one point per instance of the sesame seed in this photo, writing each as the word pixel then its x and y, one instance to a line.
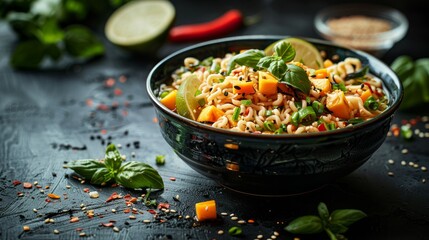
pixel 34 210
pixel 187 217
pixel 390 174
pixel 424 180
pixel 119 145
pixel 232 215
pixel 51 220
pixel 82 234
pixel 115 229
pixel 416 165
pixel 241 222
pixel 276 233
pixel 82 205
pixel 220 232
pixel 260 236
pixel 224 214
pixel 94 194
pixel 35 183
pixel 68 186
pixel 234 218
pixel 132 217
pixel 124 157
pixel 47 220
pixel 403 163
pixel 173 211
pixel 273 237
pixel 411 164
pixel 146 221
pixel 56 231
pixel 423 168
pixel 404 151
pixel 391 161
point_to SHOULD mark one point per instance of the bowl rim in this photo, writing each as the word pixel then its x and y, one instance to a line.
pixel 394 34
pixel 338 132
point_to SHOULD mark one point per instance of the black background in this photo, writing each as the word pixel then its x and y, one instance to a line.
pixel 43 115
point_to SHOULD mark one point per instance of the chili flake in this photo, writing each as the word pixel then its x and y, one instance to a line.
pixel 74 219
pixel 107 224
pixel 163 205
pixel 16 182
pixel 53 196
pixel 113 197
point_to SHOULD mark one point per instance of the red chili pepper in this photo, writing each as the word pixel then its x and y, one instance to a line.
pixel 227 23
pixel 322 127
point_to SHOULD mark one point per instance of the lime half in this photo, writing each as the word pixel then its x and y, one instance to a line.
pixel 186 103
pixel 141 26
pixel 306 52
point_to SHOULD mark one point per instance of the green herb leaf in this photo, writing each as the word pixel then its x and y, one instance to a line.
pixel 139 175
pixel 266 61
pixel 28 55
pixel 49 32
pixel 248 58
pixel 277 68
pixel 81 42
pixel 371 104
pixel 338 228
pixel 285 51
pixel 112 159
pixel 85 167
pixel 359 74
pixel 346 217
pixel 102 176
pixel 160 160
pixel 305 225
pixel 296 77
pixel 54 52
pixel 323 213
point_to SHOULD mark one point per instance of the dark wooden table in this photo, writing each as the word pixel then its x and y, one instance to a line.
pixel 50 117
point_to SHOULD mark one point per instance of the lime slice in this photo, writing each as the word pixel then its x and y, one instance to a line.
pixel 186 103
pixel 141 26
pixel 306 52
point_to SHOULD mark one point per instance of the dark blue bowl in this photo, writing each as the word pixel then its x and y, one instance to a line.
pixel 271 164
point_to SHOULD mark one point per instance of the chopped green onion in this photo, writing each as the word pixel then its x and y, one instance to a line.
pixel 215 67
pixel 281 129
pixel 330 126
pixel 339 86
pixel 306 115
pixel 298 105
pixel 258 128
pixel 236 114
pixel 354 121
pixel 246 102
pixel 207 62
pixel 406 132
pixel 268 113
pixel 359 74
pixel 201 101
pixel 318 107
pixel 235 231
pixel 268 125
pixel 164 94
pixel 160 160
pixel 371 104
pixel 308 99
pixel 295 118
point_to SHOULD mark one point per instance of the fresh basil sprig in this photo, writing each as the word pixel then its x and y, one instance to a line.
pixel 334 224
pixel 130 174
pixel 276 64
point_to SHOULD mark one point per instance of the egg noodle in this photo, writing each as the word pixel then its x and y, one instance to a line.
pixel 255 101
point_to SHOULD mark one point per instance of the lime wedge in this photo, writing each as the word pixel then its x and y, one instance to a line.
pixel 186 103
pixel 141 26
pixel 306 52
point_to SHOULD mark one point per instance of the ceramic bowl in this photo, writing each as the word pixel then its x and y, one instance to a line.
pixel 271 164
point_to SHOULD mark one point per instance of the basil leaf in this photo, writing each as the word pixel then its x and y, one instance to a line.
pixel 49 32
pixel 266 61
pixel 346 217
pixel 285 51
pixel 248 58
pixel 338 228
pixel 139 175
pixel 323 213
pixel 305 225
pixel 28 55
pixel 102 176
pixel 296 77
pixel 85 167
pixel 81 42
pixel 54 52
pixel 277 68
pixel 112 159
pixel 359 74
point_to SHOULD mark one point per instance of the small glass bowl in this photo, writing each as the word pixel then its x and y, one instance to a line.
pixel 376 43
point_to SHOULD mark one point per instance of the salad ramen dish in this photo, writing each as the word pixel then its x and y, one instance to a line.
pixel 260 92
pixel 269 115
